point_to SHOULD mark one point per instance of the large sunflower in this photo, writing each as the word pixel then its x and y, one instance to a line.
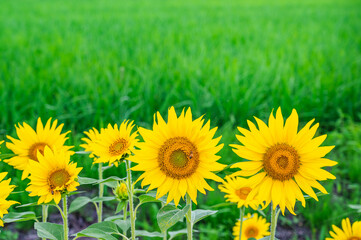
pixel 283 160
pixel 252 227
pixel 237 190
pixel 347 232
pixel 5 190
pixel 177 156
pixel 111 145
pixel 52 175
pixel 31 142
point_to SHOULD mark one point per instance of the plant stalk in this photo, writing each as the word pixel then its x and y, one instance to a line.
pixel 189 218
pixel 274 217
pixel 65 218
pixel 44 214
pixel 101 192
pixel 130 194
pixel 125 216
pixel 241 214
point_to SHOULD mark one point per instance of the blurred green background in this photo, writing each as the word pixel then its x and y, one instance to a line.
pixel 89 63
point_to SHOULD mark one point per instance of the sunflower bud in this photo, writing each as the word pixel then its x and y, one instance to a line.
pixel 121 191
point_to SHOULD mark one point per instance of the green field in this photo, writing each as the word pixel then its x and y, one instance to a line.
pixel 88 63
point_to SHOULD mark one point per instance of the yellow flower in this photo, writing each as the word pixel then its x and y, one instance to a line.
pixel 5 190
pixel 111 145
pixel 347 232
pixel 252 227
pixel 31 142
pixel 178 156
pixel 282 160
pixel 52 176
pixel 237 190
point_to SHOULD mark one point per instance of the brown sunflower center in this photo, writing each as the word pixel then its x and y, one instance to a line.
pixel 251 232
pixel 33 150
pixel 178 158
pixel 354 238
pixel 242 193
pixel 281 162
pixel 58 178
pixel 118 147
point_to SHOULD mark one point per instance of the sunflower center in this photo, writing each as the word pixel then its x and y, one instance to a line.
pixel 354 238
pixel 59 178
pixel 281 162
pixel 251 232
pixel 178 158
pixel 118 147
pixel 34 150
pixel 242 193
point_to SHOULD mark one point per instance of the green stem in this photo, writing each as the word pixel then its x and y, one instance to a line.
pixel 130 193
pixel 44 214
pixel 241 214
pixel 165 235
pixel 274 217
pixel 125 215
pixel 65 218
pixel 101 192
pixel 189 218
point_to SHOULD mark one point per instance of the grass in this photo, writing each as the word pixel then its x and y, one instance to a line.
pixel 93 62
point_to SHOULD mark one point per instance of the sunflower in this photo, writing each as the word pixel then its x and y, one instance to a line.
pixel 111 145
pixel 282 160
pixel 52 175
pixel 347 232
pixel 237 190
pixel 5 190
pixel 31 142
pixel 252 227
pixel 92 135
pixel 177 156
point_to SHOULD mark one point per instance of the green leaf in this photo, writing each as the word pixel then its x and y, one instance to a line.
pixel 78 203
pixel 225 204
pixel 49 230
pixel 136 191
pixel 356 207
pixel 123 224
pixel 143 233
pixel 177 233
pixel 146 198
pixel 267 238
pixel 118 220
pixel 170 215
pixel 154 195
pixel 103 230
pixel 85 180
pixel 120 206
pixel 318 194
pixel 102 199
pixel 19 217
pixel 200 214
pixel 110 179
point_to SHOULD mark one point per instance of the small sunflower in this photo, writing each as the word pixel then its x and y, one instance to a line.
pixel 31 142
pixel 237 190
pixel 111 145
pixel 282 160
pixel 178 156
pixel 252 227
pixel 52 175
pixel 347 232
pixel 5 190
